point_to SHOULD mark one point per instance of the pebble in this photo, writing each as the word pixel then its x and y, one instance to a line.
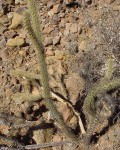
pixel 22 2
pixel 47 30
pixel 57 8
pixel 72 47
pixel 50 13
pixel 82 45
pixel 50 4
pixel 74 28
pixel 9 34
pixel 47 41
pixel 16 20
pixel 75 84
pixel 2 42
pixel 66 32
pixel 50 52
pixel 17 41
pixel 2 28
pixel 62 15
pixel 67 2
pixel 56 40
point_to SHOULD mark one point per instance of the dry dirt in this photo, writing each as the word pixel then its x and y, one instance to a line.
pixel 79 37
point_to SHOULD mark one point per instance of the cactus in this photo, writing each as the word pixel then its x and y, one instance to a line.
pixel 103 86
pixel 32 25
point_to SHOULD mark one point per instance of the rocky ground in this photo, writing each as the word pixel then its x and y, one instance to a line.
pixel 78 37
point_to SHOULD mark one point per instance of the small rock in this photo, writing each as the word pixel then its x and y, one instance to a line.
pixel 68 25
pixel 22 53
pixel 51 72
pixel 73 47
pixel 67 2
pixel 4 20
pixel 9 34
pixel 50 4
pixel 56 40
pixel 47 41
pixel 57 138
pixel 66 32
pixel 2 28
pixel 47 30
pixel 16 20
pixel 10 15
pixel 56 17
pixel 82 45
pixel 17 41
pixel 74 84
pixel 57 8
pixel 16 88
pixel 22 2
pixel 62 15
pixel 74 28
pixel 2 42
pixel 49 52
pixel 50 13
pixel 55 32
pixel 59 55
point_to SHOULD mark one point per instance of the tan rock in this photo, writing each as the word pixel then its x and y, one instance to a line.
pixel 74 84
pixel 9 34
pixel 48 30
pixel 16 20
pixel 50 13
pixel 57 138
pixel 17 41
pixel 2 28
pixel 82 46
pixel 57 8
pixel 49 52
pixel 74 28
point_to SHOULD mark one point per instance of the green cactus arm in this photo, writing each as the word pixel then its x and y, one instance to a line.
pixel 101 87
pixel 39 53
pixel 35 22
pixel 110 68
pixel 43 70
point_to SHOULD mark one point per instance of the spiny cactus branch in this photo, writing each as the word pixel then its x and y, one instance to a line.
pixel 109 69
pixel 103 86
pixel 31 23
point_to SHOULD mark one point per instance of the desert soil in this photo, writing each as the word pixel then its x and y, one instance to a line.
pixel 79 36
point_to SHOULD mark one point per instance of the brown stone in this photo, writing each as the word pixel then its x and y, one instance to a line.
pixel 57 8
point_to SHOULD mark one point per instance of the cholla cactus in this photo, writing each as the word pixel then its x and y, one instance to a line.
pixel 32 25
